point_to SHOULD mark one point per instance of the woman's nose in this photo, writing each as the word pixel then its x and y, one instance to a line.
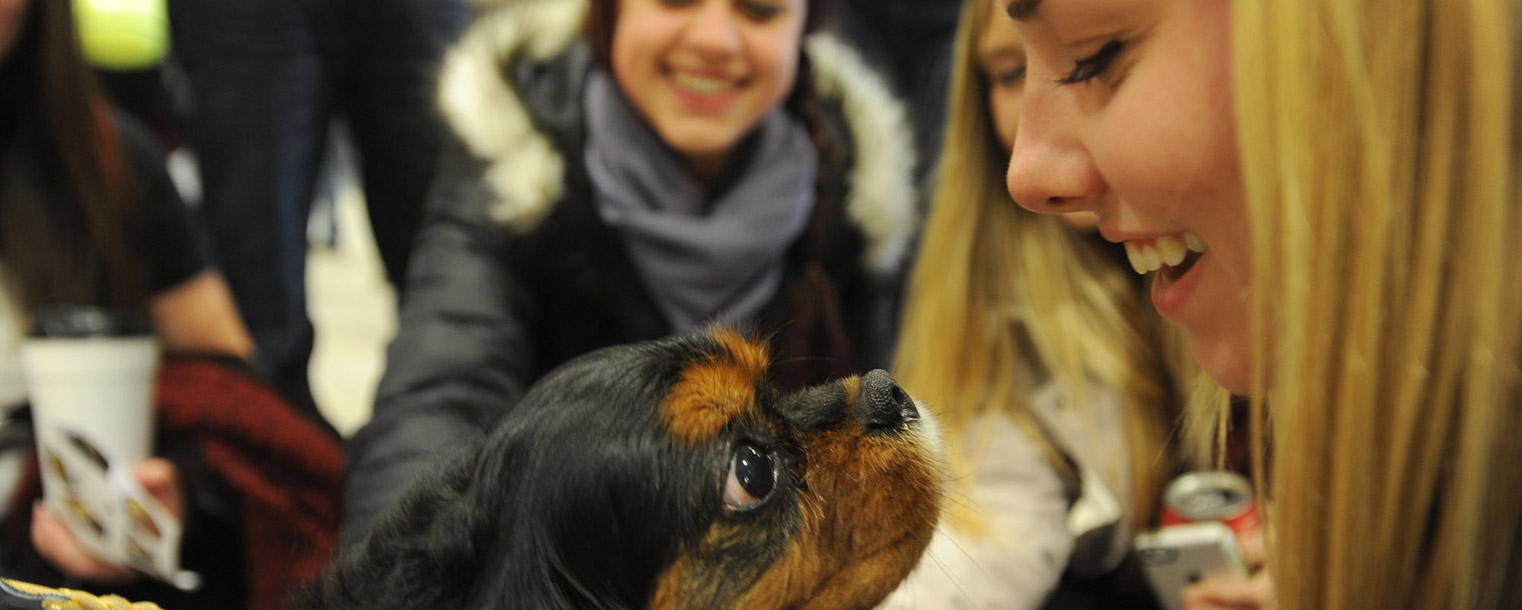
pixel 1051 169
pixel 713 30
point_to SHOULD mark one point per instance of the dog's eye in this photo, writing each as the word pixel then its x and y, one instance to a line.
pixel 751 478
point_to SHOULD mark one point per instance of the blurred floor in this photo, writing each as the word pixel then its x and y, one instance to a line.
pixel 352 307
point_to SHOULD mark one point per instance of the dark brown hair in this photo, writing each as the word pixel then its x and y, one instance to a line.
pixel 802 101
pixel 65 224
pixel 602 16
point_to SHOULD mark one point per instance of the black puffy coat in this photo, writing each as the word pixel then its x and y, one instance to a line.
pixel 514 273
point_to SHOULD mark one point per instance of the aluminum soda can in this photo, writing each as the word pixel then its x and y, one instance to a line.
pixel 1211 495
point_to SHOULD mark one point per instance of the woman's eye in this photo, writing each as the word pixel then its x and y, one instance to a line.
pixel 759 11
pixel 751 479
pixel 1094 65
pixel 1010 76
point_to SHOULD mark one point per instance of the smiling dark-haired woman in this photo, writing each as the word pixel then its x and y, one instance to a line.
pixel 628 169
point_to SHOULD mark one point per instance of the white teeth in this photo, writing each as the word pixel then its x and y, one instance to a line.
pixel 1154 260
pixel 699 84
pixel 1194 242
pixel 1138 264
pixel 1172 250
pixel 1169 250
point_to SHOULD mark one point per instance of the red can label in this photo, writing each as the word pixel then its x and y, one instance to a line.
pixel 1210 495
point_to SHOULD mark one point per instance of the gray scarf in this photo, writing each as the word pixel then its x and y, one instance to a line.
pixel 699 258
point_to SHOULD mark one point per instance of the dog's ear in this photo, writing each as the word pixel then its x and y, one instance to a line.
pixel 604 495
pixel 580 498
pixel 513 523
pixel 560 507
pixel 420 554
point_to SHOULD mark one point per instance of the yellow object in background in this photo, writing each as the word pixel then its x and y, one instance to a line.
pixel 123 35
pixel 17 594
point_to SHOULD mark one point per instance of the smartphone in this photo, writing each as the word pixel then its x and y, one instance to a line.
pixel 1176 555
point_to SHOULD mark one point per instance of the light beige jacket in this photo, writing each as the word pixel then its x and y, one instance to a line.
pixel 1033 534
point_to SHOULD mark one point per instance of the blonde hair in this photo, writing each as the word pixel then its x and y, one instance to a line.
pixel 998 290
pixel 1379 146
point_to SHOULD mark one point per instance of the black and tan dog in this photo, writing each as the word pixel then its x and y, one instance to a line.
pixel 667 475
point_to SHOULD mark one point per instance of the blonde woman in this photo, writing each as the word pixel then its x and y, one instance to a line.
pixel 1345 176
pixel 1032 341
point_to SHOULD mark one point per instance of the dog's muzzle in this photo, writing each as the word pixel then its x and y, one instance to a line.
pixel 884 406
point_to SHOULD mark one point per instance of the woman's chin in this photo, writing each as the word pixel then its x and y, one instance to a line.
pixel 1226 363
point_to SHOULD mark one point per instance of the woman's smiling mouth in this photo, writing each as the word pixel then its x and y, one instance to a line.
pixel 704 93
pixel 1173 257
pixel 1172 251
pixel 701 85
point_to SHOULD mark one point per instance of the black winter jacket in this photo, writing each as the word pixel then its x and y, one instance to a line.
pixel 514 273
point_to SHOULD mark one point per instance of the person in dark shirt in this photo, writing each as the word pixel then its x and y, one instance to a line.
pixel 89 218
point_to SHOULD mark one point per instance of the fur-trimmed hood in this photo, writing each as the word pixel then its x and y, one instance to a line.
pixel 526 169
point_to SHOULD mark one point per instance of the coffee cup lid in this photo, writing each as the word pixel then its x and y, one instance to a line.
pixel 78 321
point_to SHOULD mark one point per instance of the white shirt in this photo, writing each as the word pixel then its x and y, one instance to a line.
pixel 1030 530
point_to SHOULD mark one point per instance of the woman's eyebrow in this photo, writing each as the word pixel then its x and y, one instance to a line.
pixel 1004 52
pixel 1021 10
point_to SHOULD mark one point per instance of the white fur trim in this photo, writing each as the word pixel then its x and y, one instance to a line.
pixel 488 116
pixel 882 182
pixel 528 174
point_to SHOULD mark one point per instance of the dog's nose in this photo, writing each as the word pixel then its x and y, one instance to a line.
pixel 883 404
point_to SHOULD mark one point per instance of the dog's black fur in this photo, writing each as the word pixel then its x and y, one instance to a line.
pixel 606 488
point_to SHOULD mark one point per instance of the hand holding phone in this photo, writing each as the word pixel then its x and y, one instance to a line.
pixel 1230 593
pixel 1178 555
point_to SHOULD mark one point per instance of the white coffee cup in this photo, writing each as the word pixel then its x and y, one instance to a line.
pixel 89 373
pixel 98 387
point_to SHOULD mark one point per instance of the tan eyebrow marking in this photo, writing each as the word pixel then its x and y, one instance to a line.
pixel 852 386
pixel 712 391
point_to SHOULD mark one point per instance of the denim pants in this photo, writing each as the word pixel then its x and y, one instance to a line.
pixel 268 77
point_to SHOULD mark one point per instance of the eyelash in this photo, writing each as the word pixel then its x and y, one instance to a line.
pixel 1010 77
pixel 759 11
pixel 1094 65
